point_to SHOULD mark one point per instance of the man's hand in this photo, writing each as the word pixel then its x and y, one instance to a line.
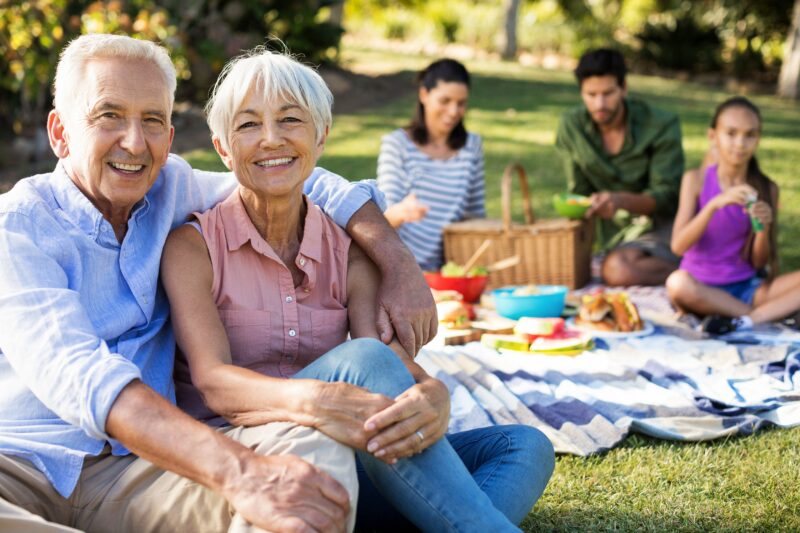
pixel 285 493
pixel 406 308
pixel 340 411
pixel 604 205
pixel 418 419
pixel 405 303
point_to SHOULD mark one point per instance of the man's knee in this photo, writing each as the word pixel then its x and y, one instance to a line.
pixel 618 267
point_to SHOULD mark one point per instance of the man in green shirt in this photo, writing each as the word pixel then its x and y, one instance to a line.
pixel 627 156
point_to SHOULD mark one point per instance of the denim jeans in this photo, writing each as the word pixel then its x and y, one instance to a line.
pixel 486 479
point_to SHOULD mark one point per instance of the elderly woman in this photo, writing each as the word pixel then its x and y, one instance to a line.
pixel 432 171
pixel 264 289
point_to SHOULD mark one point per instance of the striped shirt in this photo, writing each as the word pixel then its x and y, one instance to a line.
pixel 452 188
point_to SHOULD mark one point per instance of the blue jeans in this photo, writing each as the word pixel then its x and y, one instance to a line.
pixel 481 480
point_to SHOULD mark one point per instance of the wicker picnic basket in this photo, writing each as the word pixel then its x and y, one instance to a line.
pixel 554 251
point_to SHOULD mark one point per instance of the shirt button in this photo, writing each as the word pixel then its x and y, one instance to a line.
pixel 289 299
pixel 302 261
pixel 292 333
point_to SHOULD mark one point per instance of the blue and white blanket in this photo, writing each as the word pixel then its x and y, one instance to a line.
pixel 667 385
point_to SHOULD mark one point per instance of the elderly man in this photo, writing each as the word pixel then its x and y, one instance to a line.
pixel 86 348
pixel 627 155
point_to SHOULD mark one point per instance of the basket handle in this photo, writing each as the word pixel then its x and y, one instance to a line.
pixel 505 193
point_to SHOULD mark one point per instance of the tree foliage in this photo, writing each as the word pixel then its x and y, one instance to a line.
pixel 200 35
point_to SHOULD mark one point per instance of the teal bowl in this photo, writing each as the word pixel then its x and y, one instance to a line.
pixel 547 302
pixel 571 205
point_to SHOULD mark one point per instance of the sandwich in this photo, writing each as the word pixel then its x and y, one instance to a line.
pixel 608 311
pixel 453 314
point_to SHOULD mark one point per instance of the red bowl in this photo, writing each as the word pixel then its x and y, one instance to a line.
pixel 470 287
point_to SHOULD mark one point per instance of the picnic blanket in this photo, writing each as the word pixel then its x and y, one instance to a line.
pixel 672 384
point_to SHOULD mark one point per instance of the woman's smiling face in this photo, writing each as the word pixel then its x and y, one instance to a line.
pixel 273 145
pixel 445 106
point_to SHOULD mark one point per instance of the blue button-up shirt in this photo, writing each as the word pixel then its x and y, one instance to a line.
pixel 82 315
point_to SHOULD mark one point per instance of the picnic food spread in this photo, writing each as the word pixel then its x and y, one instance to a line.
pixel 608 311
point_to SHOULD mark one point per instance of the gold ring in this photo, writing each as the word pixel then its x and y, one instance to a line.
pixel 421 436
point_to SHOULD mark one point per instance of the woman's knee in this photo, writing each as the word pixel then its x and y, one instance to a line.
pixel 373 365
pixel 537 448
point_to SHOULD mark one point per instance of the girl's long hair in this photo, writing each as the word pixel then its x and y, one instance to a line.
pixel 446 70
pixel 759 181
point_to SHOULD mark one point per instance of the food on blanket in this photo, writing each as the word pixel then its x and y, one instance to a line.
pixel 445 295
pixel 453 314
pixel 608 311
pixel 626 315
pixel 454 270
pixel 526 290
pixel 572 343
pixel 508 342
pixel 532 328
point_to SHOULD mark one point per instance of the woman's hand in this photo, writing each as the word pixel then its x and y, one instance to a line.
pixel 341 411
pixel 761 211
pixel 409 209
pixel 418 418
pixel 736 195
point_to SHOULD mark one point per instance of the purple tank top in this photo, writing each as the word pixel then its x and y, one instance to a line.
pixel 716 258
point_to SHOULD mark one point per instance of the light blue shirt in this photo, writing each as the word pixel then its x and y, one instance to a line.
pixel 82 315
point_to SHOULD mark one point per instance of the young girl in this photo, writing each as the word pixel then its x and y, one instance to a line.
pixel 725 230
pixel 432 171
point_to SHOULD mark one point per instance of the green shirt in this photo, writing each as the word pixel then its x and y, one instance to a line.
pixel 650 161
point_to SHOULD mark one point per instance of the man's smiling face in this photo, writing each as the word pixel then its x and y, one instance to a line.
pixel 118 136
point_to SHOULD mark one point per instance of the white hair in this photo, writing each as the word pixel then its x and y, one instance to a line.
pixel 72 65
pixel 276 75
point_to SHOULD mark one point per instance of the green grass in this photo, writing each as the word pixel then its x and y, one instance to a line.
pixel 738 484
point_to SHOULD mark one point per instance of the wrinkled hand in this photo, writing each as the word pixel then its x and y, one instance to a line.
pixel 410 209
pixel 284 493
pixel 341 411
pixel 604 205
pixel 736 195
pixel 762 211
pixel 425 407
pixel 405 307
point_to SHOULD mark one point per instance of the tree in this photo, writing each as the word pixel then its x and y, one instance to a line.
pixel 790 69
pixel 509 35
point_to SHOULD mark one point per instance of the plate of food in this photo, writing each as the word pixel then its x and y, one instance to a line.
pixel 609 314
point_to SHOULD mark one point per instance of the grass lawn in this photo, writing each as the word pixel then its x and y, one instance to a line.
pixel 747 483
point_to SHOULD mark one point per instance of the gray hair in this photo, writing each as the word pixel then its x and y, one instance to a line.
pixel 71 66
pixel 278 75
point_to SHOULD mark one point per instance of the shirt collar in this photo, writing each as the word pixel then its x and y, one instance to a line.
pixel 79 208
pixel 631 124
pixel 239 229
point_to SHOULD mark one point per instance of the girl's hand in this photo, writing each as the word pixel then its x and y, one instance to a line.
pixel 762 211
pixel 736 195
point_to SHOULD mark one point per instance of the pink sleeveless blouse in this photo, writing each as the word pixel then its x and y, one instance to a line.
pixel 273 327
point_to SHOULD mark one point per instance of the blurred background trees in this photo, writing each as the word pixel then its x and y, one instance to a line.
pixel 718 39
pixel 200 34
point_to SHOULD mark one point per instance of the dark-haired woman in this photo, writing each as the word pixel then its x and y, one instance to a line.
pixel 726 232
pixel 432 171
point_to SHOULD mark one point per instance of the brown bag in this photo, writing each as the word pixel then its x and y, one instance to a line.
pixel 554 251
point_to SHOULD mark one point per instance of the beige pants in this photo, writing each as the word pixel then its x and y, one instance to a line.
pixel 121 494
